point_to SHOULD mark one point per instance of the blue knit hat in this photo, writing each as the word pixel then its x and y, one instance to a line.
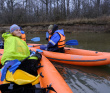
pixel 14 27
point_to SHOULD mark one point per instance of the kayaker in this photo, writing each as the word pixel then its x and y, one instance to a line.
pixel 15 48
pixel 20 77
pixel 23 35
pixel 56 39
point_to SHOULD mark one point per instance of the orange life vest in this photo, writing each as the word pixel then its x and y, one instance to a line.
pixel 23 37
pixel 61 42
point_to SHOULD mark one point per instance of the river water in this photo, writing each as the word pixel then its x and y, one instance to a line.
pixel 82 79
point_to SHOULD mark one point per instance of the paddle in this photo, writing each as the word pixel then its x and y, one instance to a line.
pixel 35 39
pixel 47 35
pixel 69 42
pixel 72 42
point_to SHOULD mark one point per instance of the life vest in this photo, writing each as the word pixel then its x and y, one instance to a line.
pixel 61 42
pixel 23 37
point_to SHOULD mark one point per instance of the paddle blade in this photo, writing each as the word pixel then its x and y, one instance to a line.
pixel 72 42
pixel 30 46
pixel 35 39
pixel 47 35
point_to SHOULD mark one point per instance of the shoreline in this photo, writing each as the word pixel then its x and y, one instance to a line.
pixel 67 28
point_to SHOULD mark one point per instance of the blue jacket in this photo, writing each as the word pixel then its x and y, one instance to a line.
pixel 52 44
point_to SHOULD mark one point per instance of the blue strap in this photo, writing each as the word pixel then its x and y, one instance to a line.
pixel 14 65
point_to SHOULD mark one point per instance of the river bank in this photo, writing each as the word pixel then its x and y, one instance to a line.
pixel 96 25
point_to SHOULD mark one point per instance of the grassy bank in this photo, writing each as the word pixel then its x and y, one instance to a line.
pixel 104 20
pixel 100 24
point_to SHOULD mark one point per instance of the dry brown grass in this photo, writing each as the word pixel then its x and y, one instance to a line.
pixel 96 21
pixel 104 20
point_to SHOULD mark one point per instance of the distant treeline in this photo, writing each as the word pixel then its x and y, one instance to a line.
pixel 39 11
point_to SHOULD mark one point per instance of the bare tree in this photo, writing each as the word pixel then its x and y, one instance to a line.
pixel 105 7
pixel 68 10
pixel 28 11
pixel 46 3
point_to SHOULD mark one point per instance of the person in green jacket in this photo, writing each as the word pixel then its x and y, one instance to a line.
pixel 15 48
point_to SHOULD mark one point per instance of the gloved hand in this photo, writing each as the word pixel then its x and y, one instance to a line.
pixel 47 39
pixel 43 47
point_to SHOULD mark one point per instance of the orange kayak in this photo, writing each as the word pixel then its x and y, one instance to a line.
pixel 51 76
pixel 76 56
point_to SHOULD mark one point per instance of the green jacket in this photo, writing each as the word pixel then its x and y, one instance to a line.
pixel 14 48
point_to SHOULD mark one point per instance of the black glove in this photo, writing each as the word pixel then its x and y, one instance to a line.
pixel 47 39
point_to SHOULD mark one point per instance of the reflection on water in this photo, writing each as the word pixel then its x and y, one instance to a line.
pixel 81 82
pixel 84 79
